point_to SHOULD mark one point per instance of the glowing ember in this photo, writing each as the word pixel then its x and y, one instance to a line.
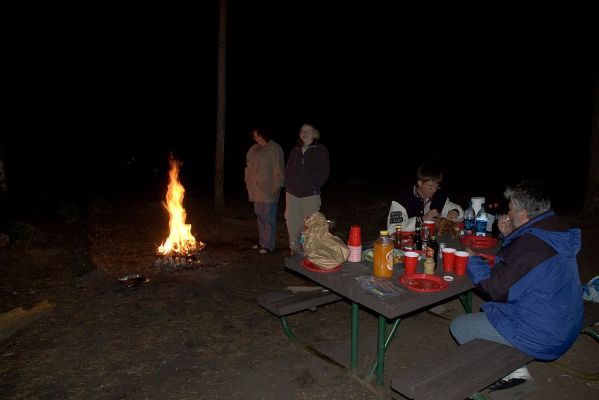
pixel 180 239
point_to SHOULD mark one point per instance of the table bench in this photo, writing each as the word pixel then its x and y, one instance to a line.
pixel 453 374
pixel 293 300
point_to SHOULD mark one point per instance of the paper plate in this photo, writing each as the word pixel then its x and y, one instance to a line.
pixel 312 267
pixel 367 254
pixel 423 283
pixel 479 242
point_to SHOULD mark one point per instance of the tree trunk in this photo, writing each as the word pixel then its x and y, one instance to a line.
pixel 2 170
pixel 591 203
pixel 219 157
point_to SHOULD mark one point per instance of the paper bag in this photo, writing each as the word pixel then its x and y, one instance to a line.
pixel 321 248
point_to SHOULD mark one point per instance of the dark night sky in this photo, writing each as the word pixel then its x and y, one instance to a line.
pixel 103 100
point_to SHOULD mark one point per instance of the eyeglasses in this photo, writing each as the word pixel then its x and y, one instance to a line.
pixel 432 185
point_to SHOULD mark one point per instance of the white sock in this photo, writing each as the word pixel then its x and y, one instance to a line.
pixel 520 373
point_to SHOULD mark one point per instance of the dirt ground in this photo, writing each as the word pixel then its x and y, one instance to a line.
pixel 199 333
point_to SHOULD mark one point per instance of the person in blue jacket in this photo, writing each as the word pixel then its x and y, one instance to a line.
pixel 533 293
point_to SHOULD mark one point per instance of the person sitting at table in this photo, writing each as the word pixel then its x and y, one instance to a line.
pixel 422 200
pixel 534 293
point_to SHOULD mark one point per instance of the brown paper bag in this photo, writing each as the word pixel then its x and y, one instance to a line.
pixel 321 248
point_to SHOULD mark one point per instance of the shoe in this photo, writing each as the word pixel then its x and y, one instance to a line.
pixel 264 250
pixel 256 247
pixel 505 384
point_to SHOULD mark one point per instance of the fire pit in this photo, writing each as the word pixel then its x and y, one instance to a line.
pixel 180 250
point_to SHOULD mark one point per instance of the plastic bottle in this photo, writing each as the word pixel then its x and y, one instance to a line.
pixel 382 266
pixel 481 221
pixel 469 220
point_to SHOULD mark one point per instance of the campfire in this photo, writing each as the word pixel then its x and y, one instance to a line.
pixel 180 250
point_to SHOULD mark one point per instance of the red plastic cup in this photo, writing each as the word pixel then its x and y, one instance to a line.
pixel 460 263
pixel 410 260
pixel 355 237
pixel 448 255
pixel 431 227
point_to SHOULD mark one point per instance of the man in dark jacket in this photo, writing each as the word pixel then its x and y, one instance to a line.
pixel 422 200
pixel 533 290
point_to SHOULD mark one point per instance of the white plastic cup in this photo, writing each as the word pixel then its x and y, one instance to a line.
pixel 355 254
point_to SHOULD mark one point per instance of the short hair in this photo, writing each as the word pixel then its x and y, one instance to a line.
pixel 429 172
pixel 313 129
pixel 260 132
pixel 529 196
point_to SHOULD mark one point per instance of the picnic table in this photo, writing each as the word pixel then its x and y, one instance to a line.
pixel 343 282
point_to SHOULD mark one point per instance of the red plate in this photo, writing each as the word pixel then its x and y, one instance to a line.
pixel 312 267
pixel 479 242
pixel 424 283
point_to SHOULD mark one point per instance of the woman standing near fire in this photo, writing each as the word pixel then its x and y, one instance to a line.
pixel 264 177
pixel 306 173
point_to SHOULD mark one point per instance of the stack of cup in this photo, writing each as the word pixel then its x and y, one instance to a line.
pixel 355 244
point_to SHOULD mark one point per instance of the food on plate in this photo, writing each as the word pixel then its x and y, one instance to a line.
pixel 446 226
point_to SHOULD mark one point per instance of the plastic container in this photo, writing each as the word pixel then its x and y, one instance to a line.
pixel 482 219
pixel 382 263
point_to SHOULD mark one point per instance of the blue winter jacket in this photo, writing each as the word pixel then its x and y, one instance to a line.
pixel 534 287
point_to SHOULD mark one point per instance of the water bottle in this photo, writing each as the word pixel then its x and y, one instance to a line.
pixel 469 220
pixel 481 221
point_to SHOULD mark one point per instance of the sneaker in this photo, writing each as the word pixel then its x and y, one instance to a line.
pixel 256 247
pixel 517 377
pixel 521 372
pixel 505 384
pixel 264 250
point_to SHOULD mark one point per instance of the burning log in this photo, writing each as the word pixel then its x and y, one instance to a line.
pixel 181 261
pixel 180 250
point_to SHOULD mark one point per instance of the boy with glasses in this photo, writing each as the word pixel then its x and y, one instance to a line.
pixel 423 200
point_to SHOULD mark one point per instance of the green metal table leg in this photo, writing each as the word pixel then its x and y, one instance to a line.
pixel 355 319
pixel 466 300
pixel 380 354
pixel 591 333
pixel 387 342
pixel 287 329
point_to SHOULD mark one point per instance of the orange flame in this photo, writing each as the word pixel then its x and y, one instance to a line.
pixel 180 238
